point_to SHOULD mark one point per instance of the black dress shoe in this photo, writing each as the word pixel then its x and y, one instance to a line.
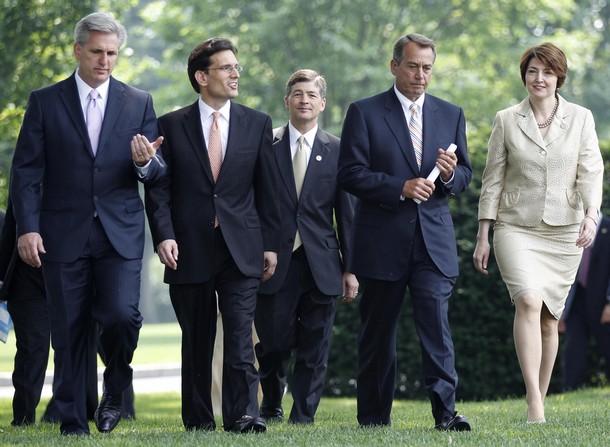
pixel 108 413
pixel 272 414
pixel 249 424
pixel 453 423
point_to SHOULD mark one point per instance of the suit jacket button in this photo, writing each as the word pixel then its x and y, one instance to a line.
pixel 412 221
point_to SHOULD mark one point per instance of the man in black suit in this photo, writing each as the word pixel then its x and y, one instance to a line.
pixel 587 311
pixel 403 233
pixel 218 207
pixel 296 307
pixel 81 152
pixel 23 288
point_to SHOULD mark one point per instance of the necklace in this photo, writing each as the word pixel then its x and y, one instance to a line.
pixel 548 122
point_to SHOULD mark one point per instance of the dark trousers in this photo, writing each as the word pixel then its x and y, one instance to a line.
pixel 380 307
pixel 297 316
pixel 28 309
pixel 195 308
pixel 99 287
pixel 51 413
pixel 581 326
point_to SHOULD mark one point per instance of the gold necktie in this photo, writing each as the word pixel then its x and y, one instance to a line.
pixel 299 168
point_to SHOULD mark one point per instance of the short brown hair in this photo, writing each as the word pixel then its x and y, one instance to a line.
pixel 551 57
pixel 306 75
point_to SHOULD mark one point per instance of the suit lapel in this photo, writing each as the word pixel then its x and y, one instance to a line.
pixel 319 155
pixel 283 158
pixel 116 101
pixel 396 121
pixel 237 122
pixel 557 130
pixel 527 123
pixel 69 97
pixel 431 121
pixel 194 133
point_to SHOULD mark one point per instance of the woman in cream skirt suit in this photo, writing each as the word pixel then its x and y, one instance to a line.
pixel 542 190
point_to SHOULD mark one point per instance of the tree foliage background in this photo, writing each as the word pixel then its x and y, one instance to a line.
pixel 479 43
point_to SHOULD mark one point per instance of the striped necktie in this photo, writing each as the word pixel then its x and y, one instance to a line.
pixel 416 133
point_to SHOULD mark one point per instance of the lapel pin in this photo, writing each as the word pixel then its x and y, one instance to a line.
pixel 318 158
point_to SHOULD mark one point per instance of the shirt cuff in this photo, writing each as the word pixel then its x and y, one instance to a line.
pixel 448 183
pixel 143 170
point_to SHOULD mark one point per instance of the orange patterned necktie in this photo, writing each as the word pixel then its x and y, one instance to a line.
pixel 215 152
pixel 215 147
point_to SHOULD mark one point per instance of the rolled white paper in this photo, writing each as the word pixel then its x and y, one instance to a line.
pixel 436 171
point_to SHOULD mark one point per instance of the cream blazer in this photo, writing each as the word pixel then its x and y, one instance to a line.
pixel 529 179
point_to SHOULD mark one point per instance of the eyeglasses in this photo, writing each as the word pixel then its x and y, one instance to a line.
pixel 228 69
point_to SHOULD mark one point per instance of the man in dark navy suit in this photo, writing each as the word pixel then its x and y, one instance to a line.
pixel 218 208
pixel 403 231
pixel 83 147
pixel 296 307
pixel 587 311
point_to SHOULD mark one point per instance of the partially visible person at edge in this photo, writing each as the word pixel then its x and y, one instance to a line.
pixel 542 191
pixel 23 289
pixel 389 145
pixel 82 150
pixel 218 210
pixel 295 309
pixel 22 286
pixel 586 316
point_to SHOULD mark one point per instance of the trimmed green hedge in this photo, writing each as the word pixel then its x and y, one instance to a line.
pixel 481 316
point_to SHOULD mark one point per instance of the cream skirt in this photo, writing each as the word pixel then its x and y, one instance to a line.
pixel 542 260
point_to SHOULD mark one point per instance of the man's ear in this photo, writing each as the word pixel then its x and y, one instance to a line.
pixel 202 78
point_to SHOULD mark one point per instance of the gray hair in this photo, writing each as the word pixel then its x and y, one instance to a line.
pixel 419 39
pixel 98 21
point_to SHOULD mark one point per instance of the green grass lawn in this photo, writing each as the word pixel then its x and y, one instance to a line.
pixel 574 419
